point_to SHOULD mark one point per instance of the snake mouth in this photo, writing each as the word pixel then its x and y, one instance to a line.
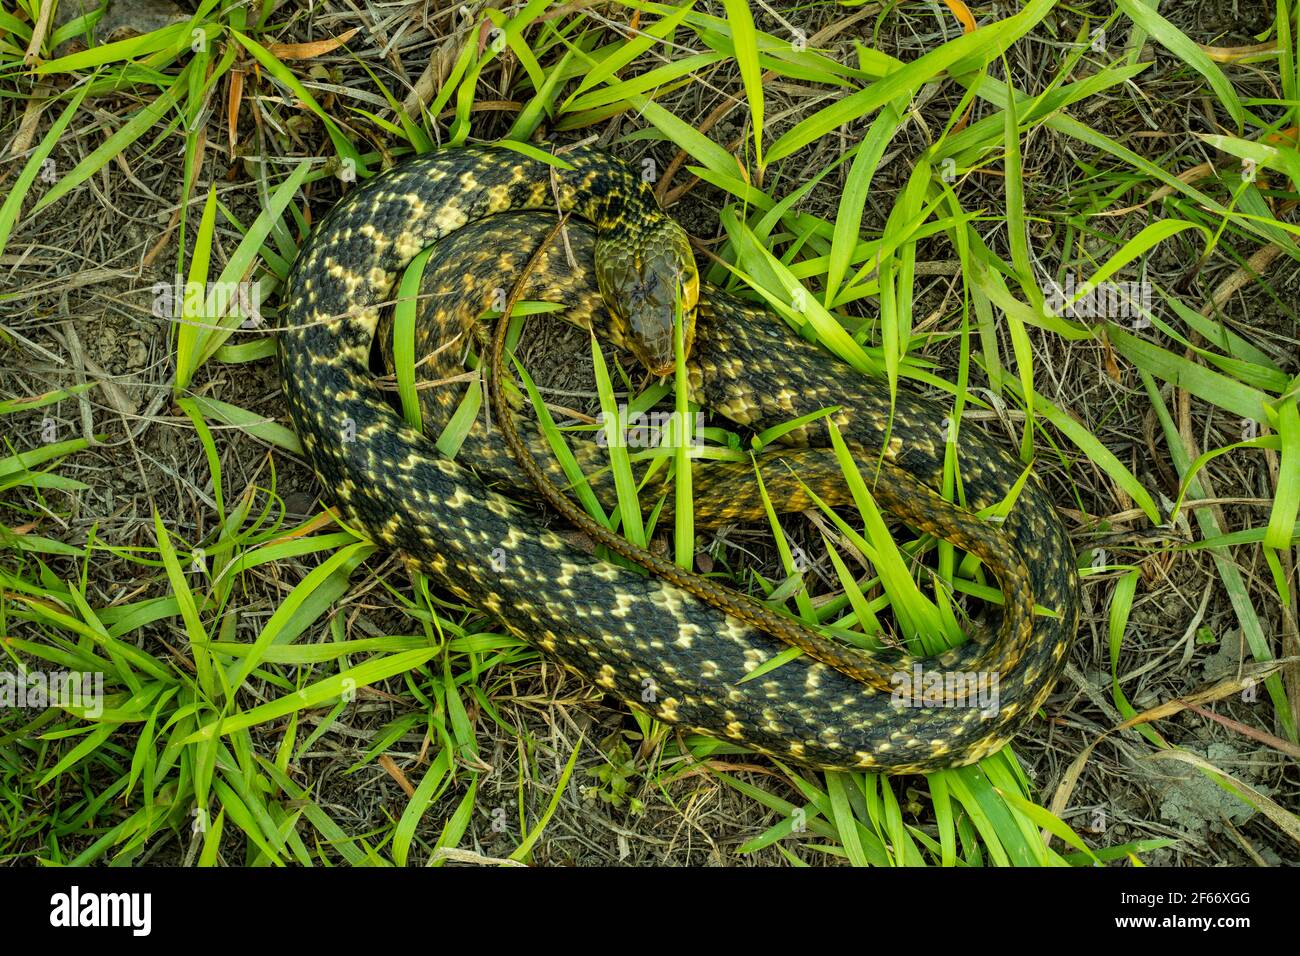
pixel 651 339
pixel 657 368
pixel 659 359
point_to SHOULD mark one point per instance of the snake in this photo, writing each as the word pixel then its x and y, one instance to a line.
pixel 677 645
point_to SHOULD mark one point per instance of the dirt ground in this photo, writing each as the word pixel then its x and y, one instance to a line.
pixel 89 266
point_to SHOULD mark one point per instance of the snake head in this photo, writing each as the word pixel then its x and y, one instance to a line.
pixel 642 277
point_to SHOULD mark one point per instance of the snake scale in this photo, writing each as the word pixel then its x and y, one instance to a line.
pixel 618 627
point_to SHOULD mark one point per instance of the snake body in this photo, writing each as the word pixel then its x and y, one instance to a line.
pixel 627 632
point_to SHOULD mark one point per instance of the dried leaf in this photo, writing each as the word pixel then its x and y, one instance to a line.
pixel 305 51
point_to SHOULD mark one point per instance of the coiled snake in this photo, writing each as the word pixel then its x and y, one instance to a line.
pixel 624 630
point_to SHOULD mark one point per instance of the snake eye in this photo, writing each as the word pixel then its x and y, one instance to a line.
pixel 688 282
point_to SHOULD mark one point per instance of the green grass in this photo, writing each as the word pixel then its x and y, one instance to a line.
pixel 193 756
